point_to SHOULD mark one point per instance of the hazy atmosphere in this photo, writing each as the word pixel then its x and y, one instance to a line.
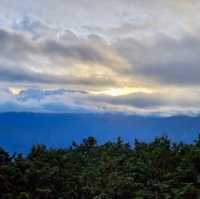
pixel 99 99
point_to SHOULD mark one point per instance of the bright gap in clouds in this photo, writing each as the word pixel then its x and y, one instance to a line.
pixel 121 91
pixel 15 90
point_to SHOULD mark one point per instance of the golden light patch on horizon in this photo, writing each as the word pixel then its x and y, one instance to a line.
pixel 121 91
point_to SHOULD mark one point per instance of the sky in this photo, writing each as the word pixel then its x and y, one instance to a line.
pixel 127 56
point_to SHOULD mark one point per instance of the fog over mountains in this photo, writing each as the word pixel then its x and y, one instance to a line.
pixel 62 100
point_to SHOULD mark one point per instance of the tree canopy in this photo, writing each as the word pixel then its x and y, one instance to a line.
pixel 159 169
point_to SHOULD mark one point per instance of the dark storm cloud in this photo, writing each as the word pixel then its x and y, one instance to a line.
pixel 162 59
pixel 14 46
pixel 183 73
pixel 81 52
pixel 165 60
pixel 67 50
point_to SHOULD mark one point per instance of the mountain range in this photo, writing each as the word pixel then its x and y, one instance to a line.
pixel 18 131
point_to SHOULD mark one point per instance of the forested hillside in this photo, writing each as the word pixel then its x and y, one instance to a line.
pixel 159 169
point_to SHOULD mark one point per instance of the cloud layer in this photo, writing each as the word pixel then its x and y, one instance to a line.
pixel 138 57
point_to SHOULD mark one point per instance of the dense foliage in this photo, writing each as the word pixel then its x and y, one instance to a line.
pixel 159 169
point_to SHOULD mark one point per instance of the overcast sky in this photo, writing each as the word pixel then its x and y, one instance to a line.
pixel 128 56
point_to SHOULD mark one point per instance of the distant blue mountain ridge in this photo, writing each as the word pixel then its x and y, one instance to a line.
pixel 18 131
